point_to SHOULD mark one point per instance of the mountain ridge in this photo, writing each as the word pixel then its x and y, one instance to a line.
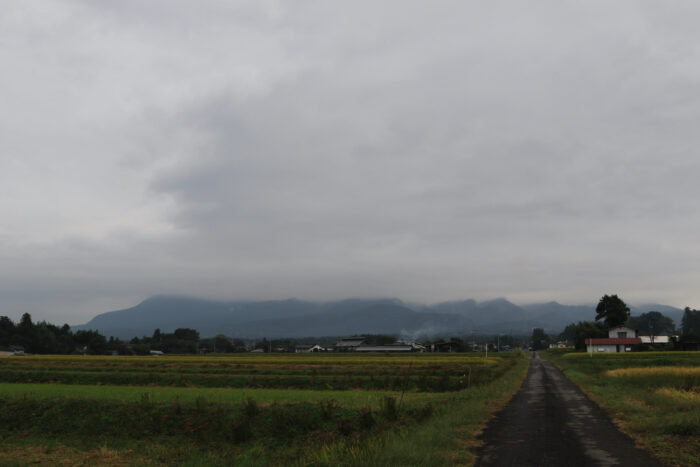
pixel 299 318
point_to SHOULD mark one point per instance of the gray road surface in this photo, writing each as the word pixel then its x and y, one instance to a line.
pixel 550 422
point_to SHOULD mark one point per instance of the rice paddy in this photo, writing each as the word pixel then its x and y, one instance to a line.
pixel 329 409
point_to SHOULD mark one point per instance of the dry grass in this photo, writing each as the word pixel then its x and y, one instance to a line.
pixel 678 395
pixel 67 456
pixel 654 371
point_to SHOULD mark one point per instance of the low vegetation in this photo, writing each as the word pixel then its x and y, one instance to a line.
pixel 652 396
pixel 168 411
pixel 325 372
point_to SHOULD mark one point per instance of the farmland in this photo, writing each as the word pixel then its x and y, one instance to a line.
pixel 337 409
pixel 653 396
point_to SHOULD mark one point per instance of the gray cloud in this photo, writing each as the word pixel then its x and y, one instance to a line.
pixel 263 150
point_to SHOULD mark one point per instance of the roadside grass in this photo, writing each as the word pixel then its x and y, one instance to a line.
pixel 653 397
pixel 49 424
pixel 450 439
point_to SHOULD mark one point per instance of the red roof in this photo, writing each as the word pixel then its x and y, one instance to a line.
pixel 614 340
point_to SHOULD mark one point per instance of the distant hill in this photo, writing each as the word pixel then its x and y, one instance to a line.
pixel 297 318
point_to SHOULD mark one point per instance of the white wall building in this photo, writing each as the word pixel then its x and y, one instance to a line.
pixel 620 339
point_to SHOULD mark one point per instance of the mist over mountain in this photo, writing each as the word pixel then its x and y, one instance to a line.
pixel 297 318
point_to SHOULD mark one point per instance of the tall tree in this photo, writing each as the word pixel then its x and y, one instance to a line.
pixel 612 310
pixel 7 331
pixel 691 323
pixel 540 340
pixel 587 330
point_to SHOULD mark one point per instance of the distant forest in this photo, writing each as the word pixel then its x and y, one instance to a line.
pixel 47 338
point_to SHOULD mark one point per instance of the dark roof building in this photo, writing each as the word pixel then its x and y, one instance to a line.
pixel 349 344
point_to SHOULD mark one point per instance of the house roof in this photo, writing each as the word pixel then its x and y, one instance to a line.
pixel 385 348
pixel 350 342
pixel 614 341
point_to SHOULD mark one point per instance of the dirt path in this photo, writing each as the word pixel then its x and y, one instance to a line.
pixel 550 422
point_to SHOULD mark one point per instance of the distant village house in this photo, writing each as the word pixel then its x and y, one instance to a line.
pixel 620 339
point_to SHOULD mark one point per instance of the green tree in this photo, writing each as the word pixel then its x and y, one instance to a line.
pixel 568 334
pixel 540 340
pixel 91 342
pixel 7 331
pixel 264 344
pixel 691 323
pixel 222 344
pixel 612 310
pixel 583 330
pixel 652 323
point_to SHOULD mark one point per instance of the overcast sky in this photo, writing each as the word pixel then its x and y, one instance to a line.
pixel 425 150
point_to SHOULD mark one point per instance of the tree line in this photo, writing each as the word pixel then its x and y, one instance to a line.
pixel 46 338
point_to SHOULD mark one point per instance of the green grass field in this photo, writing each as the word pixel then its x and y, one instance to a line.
pixel 653 396
pixel 371 409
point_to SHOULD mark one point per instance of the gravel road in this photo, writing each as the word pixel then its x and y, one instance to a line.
pixel 550 422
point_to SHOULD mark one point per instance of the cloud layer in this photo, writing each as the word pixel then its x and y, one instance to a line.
pixel 320 150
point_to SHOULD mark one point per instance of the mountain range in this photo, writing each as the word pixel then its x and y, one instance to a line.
pixel 296 318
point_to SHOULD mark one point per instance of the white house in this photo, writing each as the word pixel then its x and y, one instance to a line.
pixel 620 339
pixel 621 332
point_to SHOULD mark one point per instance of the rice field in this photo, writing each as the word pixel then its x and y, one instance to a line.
pixel 326 372
pixel 273 409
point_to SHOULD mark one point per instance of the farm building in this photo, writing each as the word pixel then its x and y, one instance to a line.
pixel 412 347
pixel 304 348
pixel 612 344
pixel 559 345
pixel 12 350
pixel 655 339
pixel 444 347
pixel 620 339
pixel 349 344
pixel 384 348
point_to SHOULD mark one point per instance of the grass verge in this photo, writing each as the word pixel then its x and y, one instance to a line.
pixel 648 397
